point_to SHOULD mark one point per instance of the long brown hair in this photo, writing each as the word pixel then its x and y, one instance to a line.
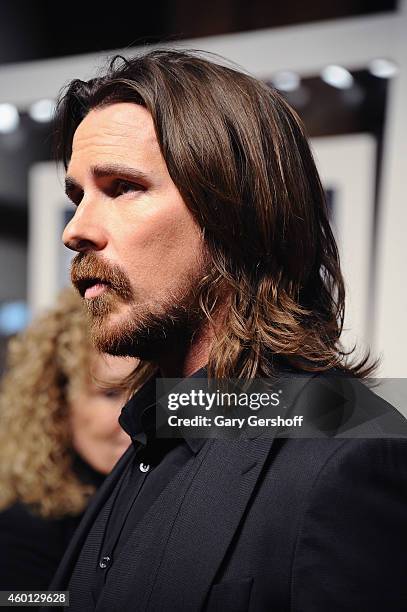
pixel 239 156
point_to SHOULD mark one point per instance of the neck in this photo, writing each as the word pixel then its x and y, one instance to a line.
pixel 184 361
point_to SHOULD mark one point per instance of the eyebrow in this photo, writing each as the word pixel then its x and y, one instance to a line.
pixel 101 171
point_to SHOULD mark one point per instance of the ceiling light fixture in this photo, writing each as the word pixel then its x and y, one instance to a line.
pixel 42 110
pixel 383 68
pixel 9 118
pixel 337 76
pixel 286 80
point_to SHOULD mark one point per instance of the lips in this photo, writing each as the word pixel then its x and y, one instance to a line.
pixel 95 291
pixel 91 287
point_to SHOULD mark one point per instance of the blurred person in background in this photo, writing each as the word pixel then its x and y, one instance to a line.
pixel 59 436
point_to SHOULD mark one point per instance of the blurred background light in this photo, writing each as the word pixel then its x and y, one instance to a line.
pixel 14 317
pixel 286 80
pixel 9 118
pixel 42 110
pixel 337 76
pixel 383 68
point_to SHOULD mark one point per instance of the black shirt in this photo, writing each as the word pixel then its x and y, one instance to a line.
pixel 155 462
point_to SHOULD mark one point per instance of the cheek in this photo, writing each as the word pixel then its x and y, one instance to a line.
pixel 88 421
pixel 95 437
pixel 83 427
pixel 173 239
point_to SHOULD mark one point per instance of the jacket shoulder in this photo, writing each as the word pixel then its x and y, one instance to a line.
pixel 350 548
pixel 338 405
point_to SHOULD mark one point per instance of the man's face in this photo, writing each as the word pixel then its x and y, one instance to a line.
pixel 140 251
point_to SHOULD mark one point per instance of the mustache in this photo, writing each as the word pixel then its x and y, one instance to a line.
pixel 88 269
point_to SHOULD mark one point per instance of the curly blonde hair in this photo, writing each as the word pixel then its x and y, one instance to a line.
pixel 36 455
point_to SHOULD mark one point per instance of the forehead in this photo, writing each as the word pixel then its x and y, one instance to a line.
pixel 123 130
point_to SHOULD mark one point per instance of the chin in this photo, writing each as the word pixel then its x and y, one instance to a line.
pixel 115 337
pixel 145 331
pixel 109 331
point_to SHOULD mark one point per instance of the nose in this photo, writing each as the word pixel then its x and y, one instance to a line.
pixel 85 231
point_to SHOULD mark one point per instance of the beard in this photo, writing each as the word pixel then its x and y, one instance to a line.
pixel 146 331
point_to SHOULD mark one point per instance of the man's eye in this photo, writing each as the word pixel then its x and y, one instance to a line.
pixel 126 187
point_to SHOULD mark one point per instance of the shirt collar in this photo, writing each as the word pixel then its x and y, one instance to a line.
pixel 137 417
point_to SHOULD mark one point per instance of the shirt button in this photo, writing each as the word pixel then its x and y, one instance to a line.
pixel 144 467
pixel 104 562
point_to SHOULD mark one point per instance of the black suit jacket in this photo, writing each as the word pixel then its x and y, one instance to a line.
pixel 263 523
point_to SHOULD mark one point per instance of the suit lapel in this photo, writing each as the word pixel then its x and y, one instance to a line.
pixel 207 521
